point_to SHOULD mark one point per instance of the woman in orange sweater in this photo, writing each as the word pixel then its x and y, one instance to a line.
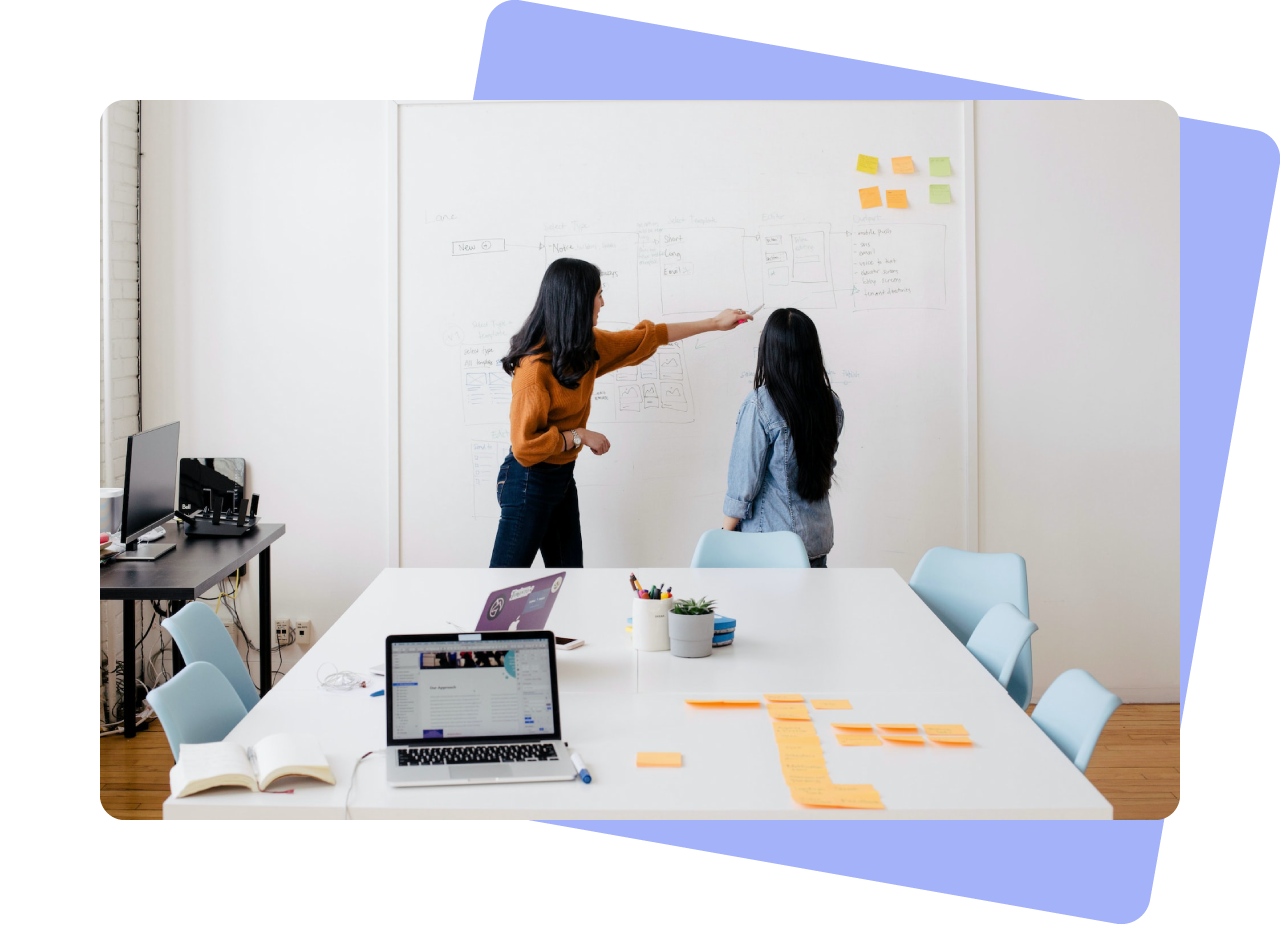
pixel 554 360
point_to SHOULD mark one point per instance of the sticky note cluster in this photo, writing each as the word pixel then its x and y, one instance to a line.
pixel 869 196
pixel 899 734
pixel 805 769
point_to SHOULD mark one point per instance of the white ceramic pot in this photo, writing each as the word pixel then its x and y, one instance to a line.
pixel 691 634
pixel 649 624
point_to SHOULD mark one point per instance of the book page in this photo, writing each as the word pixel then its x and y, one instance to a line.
pixel 209 761
pixel 290 753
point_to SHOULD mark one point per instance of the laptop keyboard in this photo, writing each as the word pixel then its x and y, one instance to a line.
pixel 476 754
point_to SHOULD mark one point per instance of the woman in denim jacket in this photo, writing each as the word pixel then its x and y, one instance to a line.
pixel 784 450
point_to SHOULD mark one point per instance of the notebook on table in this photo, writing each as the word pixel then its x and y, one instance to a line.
pixel 474 708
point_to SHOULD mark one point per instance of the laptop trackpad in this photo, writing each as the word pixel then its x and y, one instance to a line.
pixel 497 769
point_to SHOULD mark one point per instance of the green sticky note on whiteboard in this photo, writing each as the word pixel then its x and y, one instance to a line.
pixel 940 193
pixel 939 166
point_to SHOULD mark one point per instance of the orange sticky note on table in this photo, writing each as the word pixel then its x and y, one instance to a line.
pixel 788 711
pixel 898 727
pixel 904 739
pixel 849 739
pixel 830 704
pixel 951 740
pixel 784 698
pixel 870 197
pixel 722 703
pixel 897 198
pixel 946 730
pixel 852 727
pixel 789 729
pixel 903 165
pixel 657 759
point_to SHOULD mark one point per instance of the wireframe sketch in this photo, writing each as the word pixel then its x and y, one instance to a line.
pixel 796 266
pixel 701 270
pixel 899 266
pixel 615 253
pixel 656 390
pixel 486 460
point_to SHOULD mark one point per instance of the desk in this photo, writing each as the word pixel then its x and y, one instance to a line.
pixel 859 634
pixel 195 566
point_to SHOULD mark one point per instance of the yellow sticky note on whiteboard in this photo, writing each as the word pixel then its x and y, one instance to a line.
pixel 868 164
pixel 657 759
pixel 946 730
pixel 830 704
pixel 896 198
pixel 870 197
pixel 903 165
pixel 846 739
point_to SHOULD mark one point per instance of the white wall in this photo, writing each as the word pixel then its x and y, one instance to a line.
pixel 264 241
pixel 265 260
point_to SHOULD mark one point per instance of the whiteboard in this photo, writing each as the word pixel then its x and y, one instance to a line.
pixel 688 208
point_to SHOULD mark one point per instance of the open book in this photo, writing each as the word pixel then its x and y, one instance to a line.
pixel 226 764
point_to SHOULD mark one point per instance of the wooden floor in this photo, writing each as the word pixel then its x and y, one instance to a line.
pixel 1135 766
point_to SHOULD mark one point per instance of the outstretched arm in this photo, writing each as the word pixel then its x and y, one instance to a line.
pixel 727 320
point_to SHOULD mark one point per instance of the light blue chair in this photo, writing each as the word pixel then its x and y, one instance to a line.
pixel 998 641
pixel 731 549
pixel 1073 712
pixel 198 704
pixel 201 637
pixel 960 587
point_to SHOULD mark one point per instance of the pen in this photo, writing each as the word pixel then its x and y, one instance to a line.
pixel 377 693
pixel 751 314
pixel 578 763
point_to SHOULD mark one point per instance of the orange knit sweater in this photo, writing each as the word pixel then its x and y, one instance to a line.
pixel 542 410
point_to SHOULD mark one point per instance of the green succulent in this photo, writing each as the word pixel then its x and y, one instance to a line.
pixel 691 605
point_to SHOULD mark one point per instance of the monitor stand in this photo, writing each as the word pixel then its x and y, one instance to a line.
pixel 145 552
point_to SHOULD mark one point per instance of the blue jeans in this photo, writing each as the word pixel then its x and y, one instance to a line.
pixel 539 514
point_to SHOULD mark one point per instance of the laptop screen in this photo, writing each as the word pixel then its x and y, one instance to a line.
pixel 471 687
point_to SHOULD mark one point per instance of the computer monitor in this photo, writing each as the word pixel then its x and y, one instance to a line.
pixel 150 488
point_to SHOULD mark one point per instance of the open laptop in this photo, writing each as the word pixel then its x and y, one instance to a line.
pixel 473 708
pixel 524 606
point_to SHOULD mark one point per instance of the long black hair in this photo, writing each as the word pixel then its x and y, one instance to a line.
pixel 560 323
pixel 789 365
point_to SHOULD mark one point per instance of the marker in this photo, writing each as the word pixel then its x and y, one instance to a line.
pixel 377 693
pixel 583 774
pixel 750 314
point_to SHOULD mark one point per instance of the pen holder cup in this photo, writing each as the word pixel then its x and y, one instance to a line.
pixel 649 624
pixel 691 634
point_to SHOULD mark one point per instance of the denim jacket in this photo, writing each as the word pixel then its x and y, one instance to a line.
pixel 763 473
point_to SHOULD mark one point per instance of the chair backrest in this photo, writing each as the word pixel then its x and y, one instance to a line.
pixel 201 637
pixel 1073 712
pixel 197 704
pixel 731 549
pixel 960 587
pixel 998 640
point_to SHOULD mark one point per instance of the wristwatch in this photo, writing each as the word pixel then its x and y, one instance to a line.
pixel 577 441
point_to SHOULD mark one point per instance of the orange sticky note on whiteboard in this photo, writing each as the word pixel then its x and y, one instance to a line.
pixel 657 759
pixel 830 704
pixel 784 698
pixel 948 730
pixel 870 197
pixel 788 711
pixel 951 740
pixel 904 740
pixel 857 739
pixel 897 198
pixel 903 165
pixel 852 727
pixel 898 727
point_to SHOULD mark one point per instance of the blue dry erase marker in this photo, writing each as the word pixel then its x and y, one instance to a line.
pixel 377 693
pixel 578 763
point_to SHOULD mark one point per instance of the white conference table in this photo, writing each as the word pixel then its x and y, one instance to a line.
pixel 856 634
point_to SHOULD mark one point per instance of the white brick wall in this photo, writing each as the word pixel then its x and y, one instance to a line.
pixel 122 184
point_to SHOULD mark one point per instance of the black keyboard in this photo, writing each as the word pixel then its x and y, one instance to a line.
pixel 476 754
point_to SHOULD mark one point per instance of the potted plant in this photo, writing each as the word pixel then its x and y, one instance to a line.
pixel 691 626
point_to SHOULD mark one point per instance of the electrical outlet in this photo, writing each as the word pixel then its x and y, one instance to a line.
pixel 304 632
pixel 282 632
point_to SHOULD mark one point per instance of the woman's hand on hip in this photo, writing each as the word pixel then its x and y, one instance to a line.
pixel 598 443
